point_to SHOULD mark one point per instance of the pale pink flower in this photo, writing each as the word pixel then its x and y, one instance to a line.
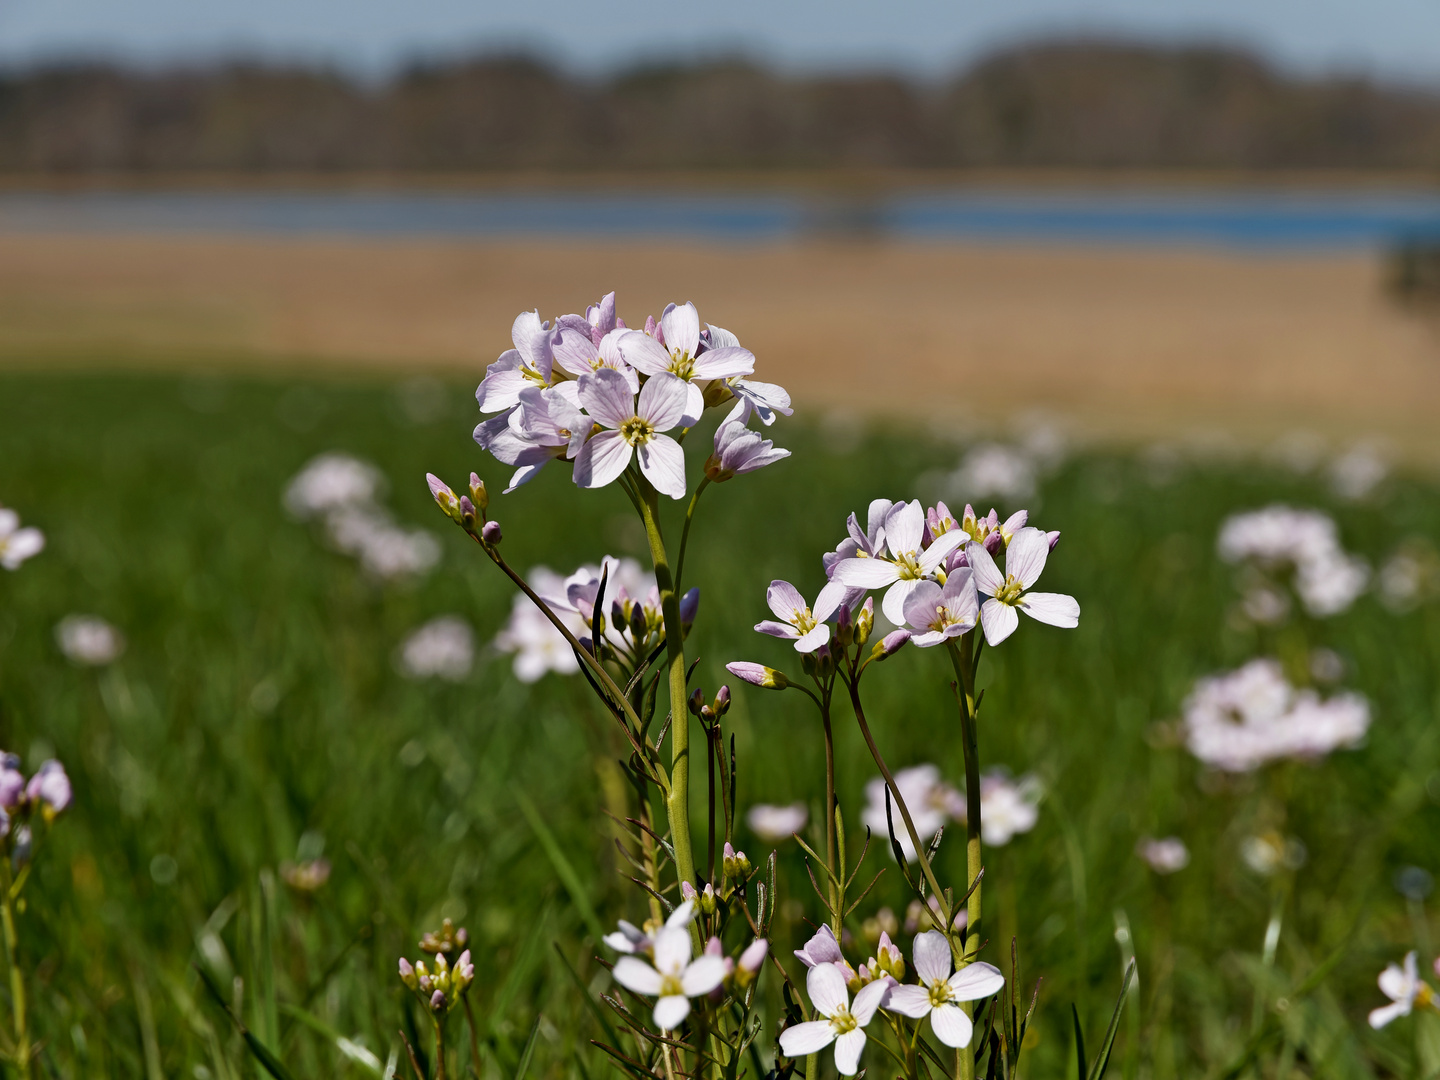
pixel 843 1024
pixel 939 993
pixel 676 350
pixel 1405 989
pixel 635 427
pixel 808 628
pixel 904 562
pixel 1004 593
pixel 674 978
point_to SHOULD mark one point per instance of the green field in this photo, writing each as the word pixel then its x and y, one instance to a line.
pixel 257 712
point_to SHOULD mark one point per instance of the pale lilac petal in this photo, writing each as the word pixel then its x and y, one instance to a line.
pixel 785 600
pixel 826 987
pixel 526 473
pixel 801 1040
pixel 812 640
pixel 911 1001
pixel 951 1026
pixel 704 975
pixel 822 948
pixel 682 915
pixel 894 603
pixel 602 459
pixel 831 596
pixel 932 957
pixel 848 1048
pixel 502 385
pixel 724 363
pixel 1025 557
pixel 1386 1013
pixel 875 516
pixel 681 327
pixel 670 1012
pixel 931 558
pixel 663 401
pixel 672 950
pixel 904 527
pixel 526 327
pixel 999 620
pixel 978 980
pixel 865 573
pixel 868 998
pixel 606 397
pixel 920 605
pixel 634 974
pixel 931 638
pixel 961 603
pixel 574 351
pixel 1056 609
pixel 777 629
pixel 643 352
pixel 694 405
pixel 663 463
pixel 988 579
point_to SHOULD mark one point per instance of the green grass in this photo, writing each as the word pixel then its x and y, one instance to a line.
pixel 257 703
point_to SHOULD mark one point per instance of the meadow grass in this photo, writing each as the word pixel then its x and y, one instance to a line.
pixel 257 714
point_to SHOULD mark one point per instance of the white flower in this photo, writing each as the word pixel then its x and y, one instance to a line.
pixel 384 549
pixel 939 992
pixel 631 939
pixel 1404 988
pixel 443 648
pixel 1327 579
pixel 634 427
pixel 330 482
pixel 17 544
pixel 902 563
pixel 675 978
pixel 1024 560
pixel 1007 807
pixel 679 354
pixel 1357 472
pixel 992 469
pixel 89 640
pixel 928 800
pixel 1271 853
pixel 844 1023
pixel 537 645
pixel 1164 856
pixel 776 823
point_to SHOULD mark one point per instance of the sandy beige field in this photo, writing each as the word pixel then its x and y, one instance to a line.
pixel 1130 342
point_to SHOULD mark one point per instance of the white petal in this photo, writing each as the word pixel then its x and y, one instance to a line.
pixel 723 363
pixel 635 974
pixel 940 550
pixel 870 997
pixel 799 1040
pixel 606 396
pixel 814 639
pixel 643 352
pixel 1383 1015
pixel 1025 557
pixel 602 459
pixel 706 973
pixel 848 1048
pixel 904 527
pixel 681 326
pixel 932 956
pixel 663 400
pixel 951 1026
pixel 663 463
pixel 826 987
pixel 999 620
pixel 785 600
pixel 672 950
pixel 670 1012
pixel 920 605
pixel 875 516
pixel 977 981
pixel 832 595
pixel 911 1001
pixel 865 573
pixel 894 603
pixel 777 629
pixel 1053 608
pixel 988 578
pixel 682 915
pixel 694 406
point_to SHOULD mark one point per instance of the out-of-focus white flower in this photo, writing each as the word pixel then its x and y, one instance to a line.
pixel 1008 806
pixel 929 800
pixel 1326 578
pixel 330 482
pixel 537 645
pixel 992 469
pixel 89 640
pixel 675 978
pixel 1405 989
pixel 776 823
pixel 1265 605
pixel 1410 576
pixel 1357 472
pixel 1167 855
pixel 17 544
pixel 843 1024
pixel 444 648
pixel 1246 718
pixel 939 994
pixel 1270 853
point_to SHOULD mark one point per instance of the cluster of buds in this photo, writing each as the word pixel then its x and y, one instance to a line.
pixel 448 939
pixel 46 793
pixel 740 971
pixel 888 960
pixel 467 510
pixel 709 713
pixel 441 985
pixel 703 899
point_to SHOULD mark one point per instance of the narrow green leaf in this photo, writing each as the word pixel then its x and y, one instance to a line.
pixel 273 1065
pixel 1102 1061
pixel 529 1050
pixel 348 1047
pixel 1080 1069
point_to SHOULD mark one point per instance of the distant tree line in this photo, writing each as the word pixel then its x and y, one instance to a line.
pixel 1066 104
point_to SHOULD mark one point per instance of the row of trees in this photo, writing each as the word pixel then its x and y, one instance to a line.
pixel 1076 104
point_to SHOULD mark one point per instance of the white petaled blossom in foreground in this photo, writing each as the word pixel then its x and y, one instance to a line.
pixel 1167 855
pixel 844 1022
pixel 940 993
pixel 89 640
pixel 17 544
pixel 738 450
pixel 675 349
pixel 1277 538
pixel 776 823
pixel 674 977
pixel 443 648
pixel 894 556
pixel 635 428
pixel 1249 717
pixel 632 939
pixel 1005 593
pixel 808 628
pixel 1405 989
pixel 938 613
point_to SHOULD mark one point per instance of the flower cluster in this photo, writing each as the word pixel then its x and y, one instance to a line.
pixel 876 985
pixel 443 648
pixel 343 493
pixel 1279 538
pixel 592 392
pixel 1249 717
pixel 89 640
pixel 17 544
pixel 440 985
pixel 47 793
pixel 1007 806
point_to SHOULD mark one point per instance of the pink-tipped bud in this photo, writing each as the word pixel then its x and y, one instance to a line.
pixel 407 974
pixel 491 533
pixel 865 621
pixel 444 497
pixel 754 955
pixel 697 700
pixel 714 948
pixel 687 891
pixel 437 1000
pixel 467 512
pixel 478 494
pixel 888 646
pixel 722 701
pixel 758 675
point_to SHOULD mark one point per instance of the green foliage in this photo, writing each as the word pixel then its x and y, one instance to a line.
pixel 257 713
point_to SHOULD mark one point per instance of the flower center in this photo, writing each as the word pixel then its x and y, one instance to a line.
pixel 803 621
pixel 1010 591
pixel 670 986
pixel 682 364
pixel 939 993
pixel 942 618
pixel 843 1022
pixel 1424 995
pixel 909 567
pixel 637 431
pixel 533 375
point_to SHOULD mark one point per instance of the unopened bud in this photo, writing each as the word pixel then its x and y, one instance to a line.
pixel 467 513
pixel 734 864
pixel 705 902
pixel 437 1001
pixel 865 621
pixel 717 393
pixel 824 662
pixel 697 700
pixel 890 644
pixel 491 533
pixel 478 494
pixel 638 626
pixel 758 675
pixel 844 627
pixel 722 701
pixel 689 606
pixel 407 974
pixel 687 891
pixel 444 497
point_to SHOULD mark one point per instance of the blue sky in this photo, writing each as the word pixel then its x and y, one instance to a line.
pixel 1398 39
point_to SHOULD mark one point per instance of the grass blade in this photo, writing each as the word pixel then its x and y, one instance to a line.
pixel 272 1064
pixel 529 1050
pixel 351 1050
pixel 1102 1060
pixel 1079 1044
pixel 563 868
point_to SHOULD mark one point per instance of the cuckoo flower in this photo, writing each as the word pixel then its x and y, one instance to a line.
pixel 844 1022
pixel 579 355
pixel 1405 989
pixel 1024 560
pixel 529 363
pixel 753 398
pixel 680 355
pixel 938 614
pixel 939 993
pixel 867 541
pixel 635 428
pixel 675 978
pixel 904 562
pixel 17 544
pixel 547 425
pixel 631 939
pixel 808 628
pixel 738 450
pixel 598 320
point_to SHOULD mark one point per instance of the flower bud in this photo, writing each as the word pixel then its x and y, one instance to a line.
pixel 734 864
pixel 638 626
pixel 824 662
pixel 889 958
pixel 478 495
pixel 444 497
pixel 844 628
pixel 689 606
pixel 467 513
pixel 758 675
pixel 437 1001
pixel 717 393
pixel 407 974
pixel 697 700
pixel 491 533
pixel 722 701
pixel 705 902
pixel 890 644
pixel 687 891
pixel 865 621
pixel 12 781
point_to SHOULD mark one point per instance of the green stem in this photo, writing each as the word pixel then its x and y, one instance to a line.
pixel 677 799
pixel 17 978
pixel 837 872
pixel 439 1049
pixel 685 533
pixel 965 660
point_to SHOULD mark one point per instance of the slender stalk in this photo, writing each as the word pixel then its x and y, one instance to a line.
pixel 836 871
pixel 17 977
pixel 965 659
pixel 474 1039
pixel 439 1049
pixel 710 752
pixel 677 799
pixel 685 533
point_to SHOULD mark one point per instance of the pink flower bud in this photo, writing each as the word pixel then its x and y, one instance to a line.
pixel 491 533
pixel 689 606
pixel 758 675
pixel 437 1000
pixel 892 643
pixel 50 786
pixel 754 955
